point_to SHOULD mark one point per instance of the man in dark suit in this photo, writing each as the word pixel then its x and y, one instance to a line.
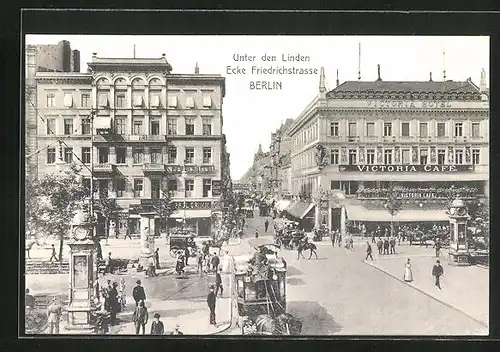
pixel 138 293
pixel 437 272
pixel 215 261
pixel 266 225
pixel 386 246
pixel 218 283
pixel 157 327
pixel 368 251
pixel 211 305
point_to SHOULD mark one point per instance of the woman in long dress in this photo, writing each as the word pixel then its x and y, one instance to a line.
pixel 408 274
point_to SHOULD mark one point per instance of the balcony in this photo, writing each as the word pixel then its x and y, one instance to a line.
pixel 174 169
pixel 145 138
pixel 153 169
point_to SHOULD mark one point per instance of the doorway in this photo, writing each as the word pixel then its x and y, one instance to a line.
pixel 336 218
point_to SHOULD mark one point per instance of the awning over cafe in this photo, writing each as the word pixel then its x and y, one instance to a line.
pixel 360 213
pixel 300 209
pixel 191 213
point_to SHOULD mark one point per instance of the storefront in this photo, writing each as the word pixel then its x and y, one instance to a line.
pixel 303 212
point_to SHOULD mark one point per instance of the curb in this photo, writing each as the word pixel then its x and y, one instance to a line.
pixel 427 294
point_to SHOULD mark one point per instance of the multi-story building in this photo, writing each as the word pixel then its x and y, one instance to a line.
pixel 258 176
pixel 363 138
pixel 150 131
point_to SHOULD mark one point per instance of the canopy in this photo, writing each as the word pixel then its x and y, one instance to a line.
pixel 300 209
pixel 360 213
pixel 191 213
pixel 282 204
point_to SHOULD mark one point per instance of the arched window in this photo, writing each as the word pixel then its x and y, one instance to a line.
pixel 138 83
pixel 102 82
pixel 155 83
pixel 121 83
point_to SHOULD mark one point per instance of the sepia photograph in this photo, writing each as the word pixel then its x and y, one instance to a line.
pixel 270 185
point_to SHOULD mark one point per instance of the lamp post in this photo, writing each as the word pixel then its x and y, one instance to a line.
pixel 393 206
pixel 184 176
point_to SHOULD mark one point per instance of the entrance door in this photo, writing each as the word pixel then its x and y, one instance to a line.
pixel 155 189
pixel 336 218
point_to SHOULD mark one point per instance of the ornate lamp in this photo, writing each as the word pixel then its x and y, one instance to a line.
pixel 459 249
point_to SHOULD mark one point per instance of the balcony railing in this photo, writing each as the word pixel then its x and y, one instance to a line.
pixel 153 168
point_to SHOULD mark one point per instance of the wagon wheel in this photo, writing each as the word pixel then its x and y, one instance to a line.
pixel 278 242
pixel 173 251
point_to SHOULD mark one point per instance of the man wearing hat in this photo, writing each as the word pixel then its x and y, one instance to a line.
pixel 138 293
pixel 176 330
pixel 211 304
pixel 54 312
pixel 157 326
pixel 437 271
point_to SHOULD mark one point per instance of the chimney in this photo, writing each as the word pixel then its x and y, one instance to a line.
pixel 378 72
pixel 430 76
pixel 482 83
pixel 94 55
pixel 337 77
pixel 196 69
pixel 322 81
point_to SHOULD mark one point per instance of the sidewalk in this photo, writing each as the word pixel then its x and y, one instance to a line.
pixel 465 289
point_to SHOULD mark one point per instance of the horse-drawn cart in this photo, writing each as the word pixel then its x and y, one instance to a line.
pixel 181 241
pixel 289 239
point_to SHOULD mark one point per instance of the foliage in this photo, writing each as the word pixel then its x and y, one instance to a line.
pixel 164 206
pixel 51 203
pixel 480 217
pixel 107 206
pixel 35 321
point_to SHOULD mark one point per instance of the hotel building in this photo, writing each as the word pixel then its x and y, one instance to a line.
pixel 420 137
pixel 151 131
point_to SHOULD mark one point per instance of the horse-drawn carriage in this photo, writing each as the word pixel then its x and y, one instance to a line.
pixel 261 298
pixel 180 241
pixel 289 239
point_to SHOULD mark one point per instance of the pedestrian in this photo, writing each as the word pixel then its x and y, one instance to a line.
pixel 339 242
pixel 256 233
pixel 437 272
pixel 386 246
pixel 138 293
pixel 211 298
pixel 368 251
pixel 266 225
pixel 157 258
pixel 54 253
pixel 176 330
pixel 373 237
pixel 215 261
pixel 179 267
pixel 123 299
pixel 29 300
pixel 140 318
pixel 105 292
pixel 157 327
pixel 437 246
pixel 99 251
pixel 199 260
pixel 151 267
pixel 208 261
pixel 108 264
pixel 408 277
pixel 218 283
pixel 127 232
pixel 392 243
pixel 186 255
pixel 54 312
pixel 332 237
pixel 113 302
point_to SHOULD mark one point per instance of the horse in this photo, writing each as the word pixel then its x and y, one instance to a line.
pixel 283 324
pixel 303 246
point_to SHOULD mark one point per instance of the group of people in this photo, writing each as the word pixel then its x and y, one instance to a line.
pixel 114 298
pixel 437 273
pixel 336 238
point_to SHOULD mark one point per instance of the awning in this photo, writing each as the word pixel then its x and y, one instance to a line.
pixel 360 213
pixel 300 209
pixel 282 204
pixel 191 213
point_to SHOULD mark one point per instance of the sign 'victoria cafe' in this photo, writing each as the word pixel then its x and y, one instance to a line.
pixel 406 168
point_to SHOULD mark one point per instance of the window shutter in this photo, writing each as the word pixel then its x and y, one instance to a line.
pixel 68 100
pixel 138 100
pixel 172 102
pixel 103 100
pixel 207 101
pixel 190 102
pixel 155 101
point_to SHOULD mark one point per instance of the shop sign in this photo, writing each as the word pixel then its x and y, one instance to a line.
pixel 409 104
pixel 192 205
pixel 406 168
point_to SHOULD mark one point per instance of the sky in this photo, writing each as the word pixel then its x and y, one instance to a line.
pixel 250 115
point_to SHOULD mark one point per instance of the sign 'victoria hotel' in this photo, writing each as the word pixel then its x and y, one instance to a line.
pixel 366 136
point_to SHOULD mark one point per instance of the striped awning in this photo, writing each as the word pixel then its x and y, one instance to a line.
pixel 360 213
pixel 300 209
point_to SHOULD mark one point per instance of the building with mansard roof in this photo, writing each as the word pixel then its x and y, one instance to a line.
pixel 361 138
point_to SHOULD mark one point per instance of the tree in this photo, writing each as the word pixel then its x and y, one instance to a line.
pixel 51 203
pixel 164 207
pixel 393 205
pixel 107 206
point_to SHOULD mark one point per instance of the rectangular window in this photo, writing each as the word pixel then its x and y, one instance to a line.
pixel 68 155
pixel 138 187
pixel 189 155
pixel 121 154
pixel 334 184
pixel 156 156
pixel 51 100
pixel 352 156
pixel 51 155
pixel 475 156
pixel 370 129
pixel 103 100
pixel 423 157
pixel 103 154
pixel 406 156
pixel 388 156
pixel 441 129
pixel 188 188
pixel 207 155
pixel 172 102
pixel 172 127
pixel 189 127
pixel 387 129
pixel 85 100
pixel 68 126
pixel 405 129
pixel 441 156
pixel 85 126
pixel 86 184
pixel 458 129
pixel 138 155
pixel 423 130
pixel 86 155
pixel 459 156
pixel 475 130
pixel 155 188
pixel 138 128
pixel 120 126
pixel 155 128
pixel 154 100
pixel 207 101
pixel 137 99
pixel 68 100
pixel 334 156
pixel 51 126
pixel 352 129
pixel 334 129
pixel 120 187
pixel 172 155
pixel 370 156
pixel 120 100
pixel 190 102
pixel 172 185
pixel 207 187
pixel 207 127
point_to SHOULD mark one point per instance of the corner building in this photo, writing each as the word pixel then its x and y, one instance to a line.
pixel 361 138
pixel 152 131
